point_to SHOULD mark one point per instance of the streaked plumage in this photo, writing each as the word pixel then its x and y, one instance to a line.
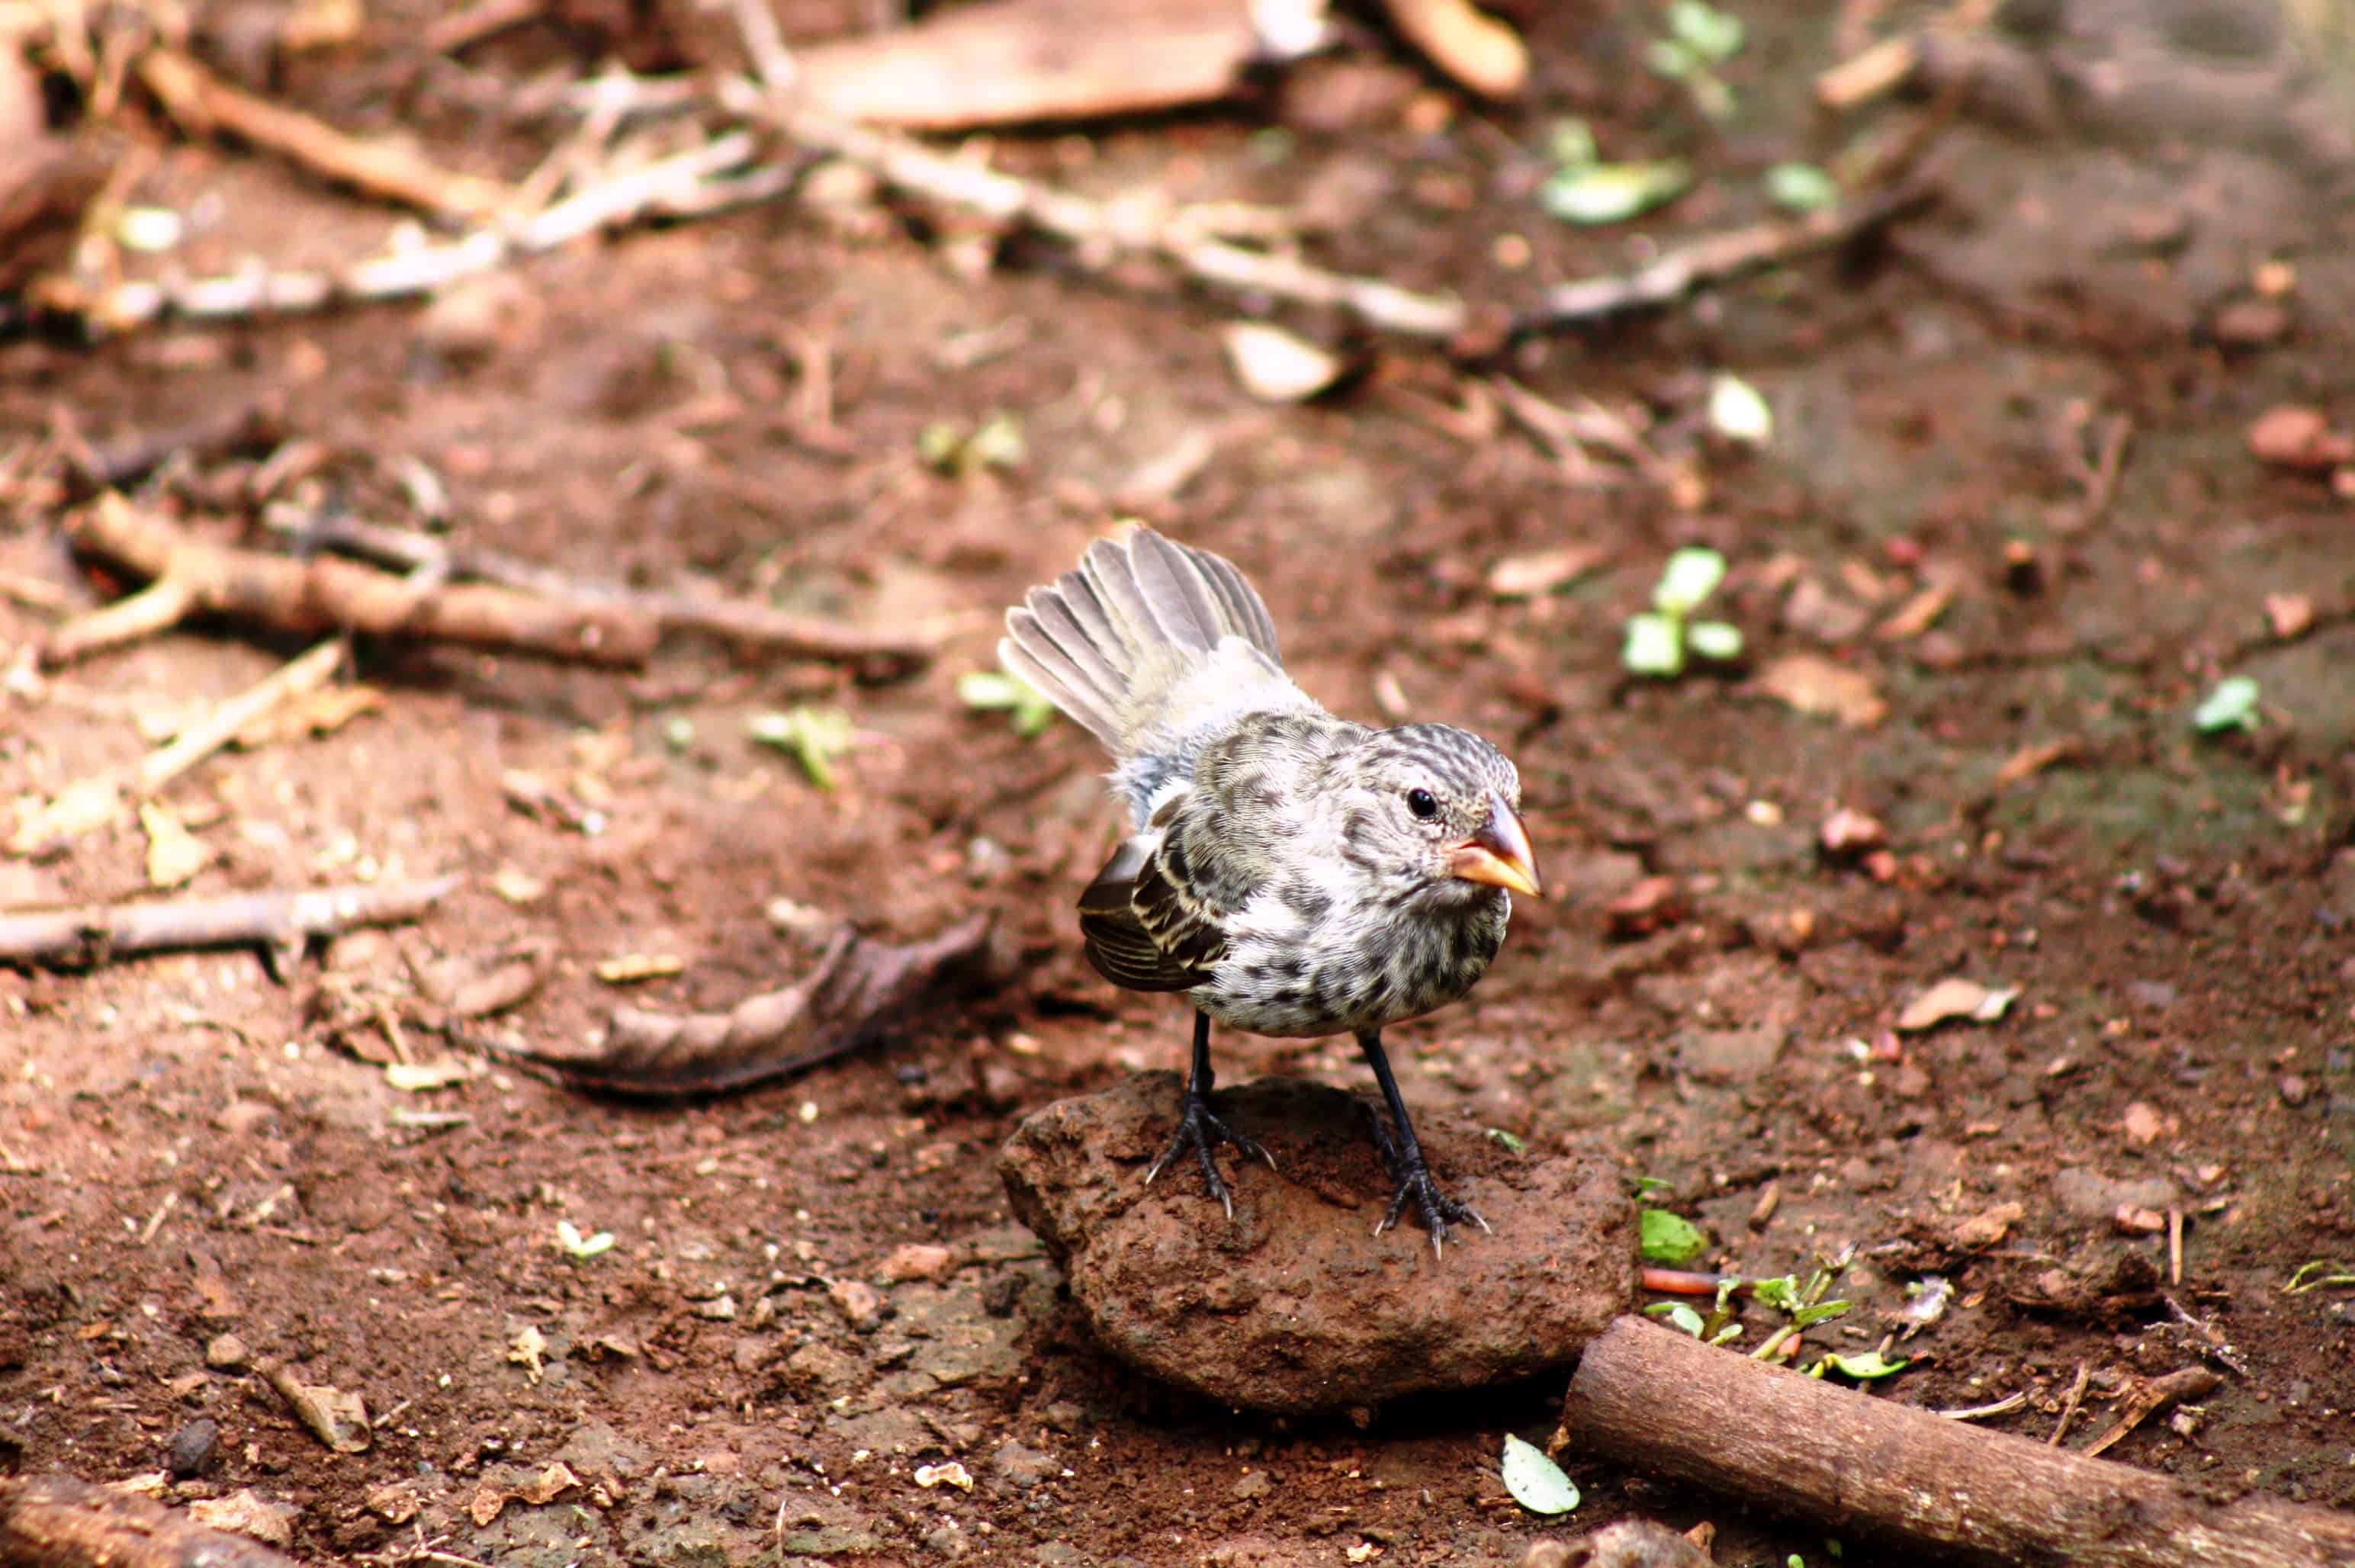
pixel 1292 873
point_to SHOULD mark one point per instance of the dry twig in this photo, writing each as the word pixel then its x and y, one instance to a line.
pixel 279 922
pixel 858 986
pixel 202 103
pixel 2153 1396
pixel 741 622
pixel 190 578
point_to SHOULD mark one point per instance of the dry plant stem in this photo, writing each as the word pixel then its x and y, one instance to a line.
pixel 306 672
pixel 55 1521
pixel 202 103
pixel 334 596
pixel 1097 227
pixel 741 622
pixel 2150 1397
pixel 858 988
pixel 280 921
pixel 1651 1397
pixel 1717 257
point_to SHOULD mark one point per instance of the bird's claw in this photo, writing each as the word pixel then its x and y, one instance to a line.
pixel 1415 1186
pixel 1199 1128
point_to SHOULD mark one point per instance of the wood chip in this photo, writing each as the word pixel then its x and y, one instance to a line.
pixel 1954 998
pixel 1816 685
pixel 1529 576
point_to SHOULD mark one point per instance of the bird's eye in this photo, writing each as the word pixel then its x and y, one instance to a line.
pixel 1423 802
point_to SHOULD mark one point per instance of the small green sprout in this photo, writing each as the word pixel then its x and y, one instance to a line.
pixel 814 737
pixel 2231 706
pixel 994 691
pixel 1536 1482
pixel 2337 1273
pixel 1658 640
pixel 1586 190
pixel 1700 37
pixel 1863 1368
pixel 576 1246
pixel 1801 188
pixel 1667 1239
pixel 995 442
pixel 1738 412
pixel 1512 1143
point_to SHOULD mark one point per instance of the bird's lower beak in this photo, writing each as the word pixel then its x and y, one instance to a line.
pixel 1499 854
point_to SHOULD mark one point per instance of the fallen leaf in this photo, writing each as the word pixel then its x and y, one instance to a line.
pixel 1814 685
pixel 1666 1238
pixel 628 968
pixel 1536 1482
pixel 321 711
pixel 477 984
pixel 83 806
pixel 1986 1228
pixel 525 1350
pixel 2294 436
pixel 489 1502
pixel 1954 998
pixel 549 1485
pixel 1275 366
pixel 174 854
pixel 339 1420
pixel 243 1513
pixel 1530 576
pixel 396 1502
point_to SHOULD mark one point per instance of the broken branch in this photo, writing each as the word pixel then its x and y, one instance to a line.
pixel 55 1521
pixel 1653 1397
pixel 744 623
pixel 201 101
pixel 859 987
pixel 281 923
pixel 309 597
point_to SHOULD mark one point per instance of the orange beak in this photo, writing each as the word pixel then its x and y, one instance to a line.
pixel 1499 854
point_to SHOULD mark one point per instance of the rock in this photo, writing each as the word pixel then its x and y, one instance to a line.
pixel 226 1352
pixel 195 1449
pixel 1024 1467
pixel 1295 1304
pixel 914 1261
pixel 2087 1195
pixel 1630 1544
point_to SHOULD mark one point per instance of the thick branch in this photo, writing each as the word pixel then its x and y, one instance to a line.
pixel 1649 1396
pixel 310 597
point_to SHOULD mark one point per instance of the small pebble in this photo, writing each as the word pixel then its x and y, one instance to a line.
pixel 226 1352
pixel 194 1448
pixel 1023 1465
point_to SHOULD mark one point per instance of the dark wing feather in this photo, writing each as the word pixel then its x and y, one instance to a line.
pixel 1142 931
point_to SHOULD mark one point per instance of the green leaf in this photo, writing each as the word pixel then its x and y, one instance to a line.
pixel 1738 412
pixel 1691 576
pixel 998 443
pixel 1684 1317
pixel 1668 1238
pixel 1715 35
pixel 1714 640
pixel 814 737
pixel 2231 706
pixel 1611 193
pixel 1536 1482
pixel 1572 145
pixel 569 1237
pixel 1667 56
pixel 992 691
pixel 1781 1294
pixel 2320 1274
pixel 1801 188
pixel 1655 645
pixel 1517 1144
pixel 1648 1184
pixel 1864 1368
pixel 1821 1312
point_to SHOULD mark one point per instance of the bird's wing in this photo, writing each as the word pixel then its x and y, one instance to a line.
pixel 1146 931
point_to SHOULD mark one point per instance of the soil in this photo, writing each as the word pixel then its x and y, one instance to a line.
pixel 760 1369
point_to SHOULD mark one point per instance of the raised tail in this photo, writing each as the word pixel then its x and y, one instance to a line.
pixel 1106 640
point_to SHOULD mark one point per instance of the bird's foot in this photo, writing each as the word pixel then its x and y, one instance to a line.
pixel 1198 1129
pixel 1412 1173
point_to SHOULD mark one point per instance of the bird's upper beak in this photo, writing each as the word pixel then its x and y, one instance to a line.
pixel 1499 854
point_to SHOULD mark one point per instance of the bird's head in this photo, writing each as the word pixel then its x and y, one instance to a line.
pixel 1436 811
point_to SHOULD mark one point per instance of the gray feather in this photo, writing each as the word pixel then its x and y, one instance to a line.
pixel 1172 584
pixel 1031 655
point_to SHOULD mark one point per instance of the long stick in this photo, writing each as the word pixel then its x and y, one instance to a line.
pixel 1651 1397
pixel 280 921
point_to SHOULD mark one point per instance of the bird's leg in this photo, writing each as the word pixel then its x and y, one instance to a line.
pixel 1198 1129
pixel 1403 1154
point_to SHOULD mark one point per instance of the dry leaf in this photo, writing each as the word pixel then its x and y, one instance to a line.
pixel 339 1420
pixel 1917 615
pixel 320 711
pixel 243 1513
pixel 473 985
pixel 1478 51
pixel 1985 1228
pixel 1274 366
pixel 1815 685
pixel 628 968
pixel 174 855
pixel 1954 998
pixel 489 1502
pixel 1527 576
pixel 395 1503
pixel 549 1484
pixel 84 807
pixel 526 1349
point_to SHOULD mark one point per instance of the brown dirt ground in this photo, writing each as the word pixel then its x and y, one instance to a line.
pixel 183 1153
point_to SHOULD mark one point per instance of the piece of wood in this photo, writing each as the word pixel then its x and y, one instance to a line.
pixel 55 1521
pixel 1861 1465
pixel 279 922
pixel 314 596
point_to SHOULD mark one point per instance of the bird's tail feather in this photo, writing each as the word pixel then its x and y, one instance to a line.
pixel 1082 639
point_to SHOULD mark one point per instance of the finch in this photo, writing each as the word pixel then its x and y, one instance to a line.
pixel 1293 874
